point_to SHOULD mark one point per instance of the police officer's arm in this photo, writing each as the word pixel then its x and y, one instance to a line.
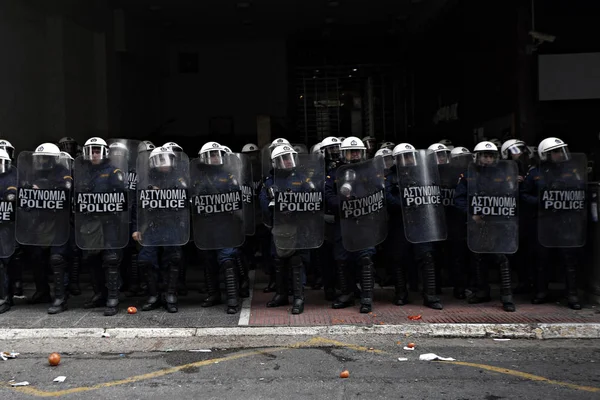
pixel 117 179
pixel 264 195
pixel 331 196
pixel 461 201
pixel 392 196
pixel 529 188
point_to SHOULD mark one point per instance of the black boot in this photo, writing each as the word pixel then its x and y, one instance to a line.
pixel 42 289
pixel 505 286
pixel 541 284
pixel 231 286
pixel 482 293
pixel 281 276
pixel 271 286
pixel 134 274
pixel 5 298
pixel 171 295
pixel 15 271
pixel 211 275
pixel 242 265
pixel 367 284
pixel 345 277
pixel 60 294
pixel 430 298
pixel 181 282
pixel 401 294
pixel 153 301
pixel 98 286
pixel 297 286
pixel 111 266
pixel 572 295
pixel 74 288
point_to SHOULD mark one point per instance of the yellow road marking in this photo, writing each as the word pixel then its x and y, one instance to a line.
pixel 42 393
pixel 527 376
pixel 314 342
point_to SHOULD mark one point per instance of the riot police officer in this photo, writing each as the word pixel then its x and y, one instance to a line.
pixel 69 145
pixel 8 194
pixel 487 195
pixel 101 220
pixel 345 188
pixel 557 188
pixel 162 225
pixel 215 176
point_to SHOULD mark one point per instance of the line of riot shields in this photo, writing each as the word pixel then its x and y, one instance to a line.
pixel 216 203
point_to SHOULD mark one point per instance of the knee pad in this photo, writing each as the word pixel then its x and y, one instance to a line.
pixel 56 260
pixel 365 260
pixel 110 258
pixel 176 258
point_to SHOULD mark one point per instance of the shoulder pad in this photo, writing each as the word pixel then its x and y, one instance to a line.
pixel 117 170
pixel 68 177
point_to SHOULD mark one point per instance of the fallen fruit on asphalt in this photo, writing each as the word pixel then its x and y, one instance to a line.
pixel 54 359
pixel 345 374
pixel 131 310
pixel 410 345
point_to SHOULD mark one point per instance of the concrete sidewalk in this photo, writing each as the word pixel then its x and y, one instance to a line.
pixel 458 319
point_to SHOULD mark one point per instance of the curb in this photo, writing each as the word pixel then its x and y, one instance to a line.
pixel 513 331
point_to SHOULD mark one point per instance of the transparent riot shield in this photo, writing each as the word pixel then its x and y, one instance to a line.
pixel 562 207
pixel 362 208
pixel 256 188
pixel 163 212
pixel 298 215
pixel 492 220
pixel 300 148
pixel 217 206
pixel 131 160
pixel 449 178
pixel 265 162
pixel 422 209
pixel 44 200
pixel 8 199
pixel 248 194
pixel 101 204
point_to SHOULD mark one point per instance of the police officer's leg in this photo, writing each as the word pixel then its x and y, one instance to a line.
pixel 93 261
pixel 5 297
pixel 482 291
pixel 226 260
pixel 111 261
pixel 367 279
pixel 148 266
pixel 172 256
pixel 59 257
pixel 181 280
pixel 327 269
pixel 541 275
pixel 267 258
pixel 39 261
pixel 345 274
pixel 459 262
pixel 569 259
pixel 281 278
pixel 133 272
pixel 425 258
pixel 15 270
pixel 211 276
pixel 74 288
pixel 505 283
pixel 398 254
pixel 297 284
pixel 243 269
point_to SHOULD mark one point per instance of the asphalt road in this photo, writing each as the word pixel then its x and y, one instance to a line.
pixel 305 368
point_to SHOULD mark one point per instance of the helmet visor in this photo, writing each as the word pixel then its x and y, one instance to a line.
pixel 561 154
pixel 4 166
pixel 10 151
pixel 332 152
pixel 443 157
pixel 487 158
pixel 212 157
pixel 286 161
pixel 407 159
pixel 43 162
pixel 354 155
pixel 161 160
pixel 95 153
pixel 68 146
